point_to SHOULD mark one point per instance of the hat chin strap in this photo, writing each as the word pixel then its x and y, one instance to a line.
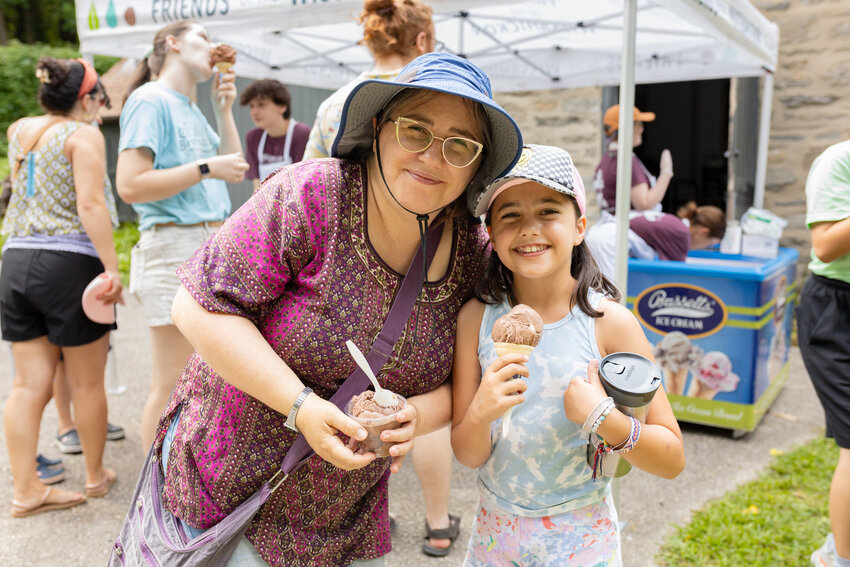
pixel 421 218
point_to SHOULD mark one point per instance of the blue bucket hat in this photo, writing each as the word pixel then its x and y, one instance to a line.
pixel 443 73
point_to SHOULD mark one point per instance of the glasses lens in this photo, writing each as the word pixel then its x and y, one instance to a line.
pixel 459 151
pixel 412 136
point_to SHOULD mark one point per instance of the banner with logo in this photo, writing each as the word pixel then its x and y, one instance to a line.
pixel 720 330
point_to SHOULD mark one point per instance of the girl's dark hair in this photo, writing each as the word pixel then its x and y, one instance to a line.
pixel 712 218
pixel 498 281
pixel 390 27
pixel 151 65
pixel 61 80
pixel 270 89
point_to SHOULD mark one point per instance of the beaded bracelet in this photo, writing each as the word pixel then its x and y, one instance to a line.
pixel 593 416
pixel 608 409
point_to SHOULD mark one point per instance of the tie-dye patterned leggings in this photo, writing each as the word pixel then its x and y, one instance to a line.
pixel 587 537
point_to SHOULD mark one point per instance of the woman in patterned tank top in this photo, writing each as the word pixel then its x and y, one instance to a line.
pixel 59 227
pixel 540 501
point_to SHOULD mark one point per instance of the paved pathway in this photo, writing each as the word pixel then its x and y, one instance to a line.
pixel 650 506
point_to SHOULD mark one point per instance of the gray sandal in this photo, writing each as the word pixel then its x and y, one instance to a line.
pixel 449 533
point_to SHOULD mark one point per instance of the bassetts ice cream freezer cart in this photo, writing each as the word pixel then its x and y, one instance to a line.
pixel 720 326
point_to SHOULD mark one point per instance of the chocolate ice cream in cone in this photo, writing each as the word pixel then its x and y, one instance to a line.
pixel 223 57
pixel 518 331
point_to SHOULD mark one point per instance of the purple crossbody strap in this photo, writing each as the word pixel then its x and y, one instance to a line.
pixel 382 348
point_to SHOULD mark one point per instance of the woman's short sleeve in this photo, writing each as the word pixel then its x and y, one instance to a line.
pixel 249 261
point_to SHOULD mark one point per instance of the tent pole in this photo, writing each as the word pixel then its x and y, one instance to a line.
pixel 764 139
pixel 625 132
pixel 624 146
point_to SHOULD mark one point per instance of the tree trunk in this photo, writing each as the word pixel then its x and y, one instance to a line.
pixel 3 38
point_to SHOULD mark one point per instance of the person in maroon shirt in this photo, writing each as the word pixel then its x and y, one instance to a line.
pixel 277 140
pixel 647 191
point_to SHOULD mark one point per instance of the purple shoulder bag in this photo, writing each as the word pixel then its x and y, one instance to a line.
pixel 151 536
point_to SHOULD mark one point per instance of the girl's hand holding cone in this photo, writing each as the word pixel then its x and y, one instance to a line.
pixel 500 388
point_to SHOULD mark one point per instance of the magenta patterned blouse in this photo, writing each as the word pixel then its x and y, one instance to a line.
pixel 296 261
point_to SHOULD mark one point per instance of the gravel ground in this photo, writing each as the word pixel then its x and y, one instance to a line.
pixel 649 507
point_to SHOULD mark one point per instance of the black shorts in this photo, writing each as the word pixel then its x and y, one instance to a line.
pixel 824 338
pixel 41 292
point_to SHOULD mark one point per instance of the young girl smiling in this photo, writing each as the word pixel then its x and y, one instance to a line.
pixel 539 502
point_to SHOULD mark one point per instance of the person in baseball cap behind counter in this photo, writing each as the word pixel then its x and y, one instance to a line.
pixel 647 190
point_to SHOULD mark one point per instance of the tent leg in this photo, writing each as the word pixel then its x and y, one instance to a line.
pixel 624 146
pixel 764 140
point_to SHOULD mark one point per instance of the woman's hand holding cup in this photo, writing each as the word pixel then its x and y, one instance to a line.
pixel 402 436
pixel 320 421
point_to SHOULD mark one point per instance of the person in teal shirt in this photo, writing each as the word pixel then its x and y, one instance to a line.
pixel 172 168
pixel 823 332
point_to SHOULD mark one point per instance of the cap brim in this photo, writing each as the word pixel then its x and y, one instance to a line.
pixel 369 97
pixel 483 203
pixel 644 117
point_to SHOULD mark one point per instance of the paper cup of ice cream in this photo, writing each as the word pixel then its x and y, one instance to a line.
pixel 374 418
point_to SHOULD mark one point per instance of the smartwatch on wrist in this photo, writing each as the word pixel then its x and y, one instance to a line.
pixel 293 412
pixel 204 168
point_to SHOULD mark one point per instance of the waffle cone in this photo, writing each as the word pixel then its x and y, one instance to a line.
pixel 223 66
pixel 507 348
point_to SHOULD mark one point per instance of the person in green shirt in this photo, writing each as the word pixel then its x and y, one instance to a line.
pixel 823 332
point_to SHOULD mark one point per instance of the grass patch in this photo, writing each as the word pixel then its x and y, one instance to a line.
pixel 776 520
pixel 125 237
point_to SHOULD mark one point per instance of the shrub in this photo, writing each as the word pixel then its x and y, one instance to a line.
pixel 18 83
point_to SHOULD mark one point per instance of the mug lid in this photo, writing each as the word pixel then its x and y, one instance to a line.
pixel 630 378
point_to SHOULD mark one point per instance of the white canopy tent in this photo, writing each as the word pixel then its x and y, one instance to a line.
pixel 530 45
pixel 537 44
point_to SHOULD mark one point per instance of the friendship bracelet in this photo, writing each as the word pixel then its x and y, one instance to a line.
pixel 593 416
pixel 629 443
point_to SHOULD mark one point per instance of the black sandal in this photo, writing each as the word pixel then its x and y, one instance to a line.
pixel 449 533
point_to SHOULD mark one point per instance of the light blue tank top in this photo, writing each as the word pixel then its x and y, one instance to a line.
pixel 540 468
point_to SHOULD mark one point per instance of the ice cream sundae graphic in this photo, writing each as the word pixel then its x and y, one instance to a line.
pixel 676 356
pixel 713 375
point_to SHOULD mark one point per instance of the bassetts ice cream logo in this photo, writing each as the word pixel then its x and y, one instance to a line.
pixel 689 309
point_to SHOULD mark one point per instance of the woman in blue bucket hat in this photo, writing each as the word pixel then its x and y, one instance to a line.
pixel 315 258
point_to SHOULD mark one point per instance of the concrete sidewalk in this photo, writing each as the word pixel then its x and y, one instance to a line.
pixel 649 506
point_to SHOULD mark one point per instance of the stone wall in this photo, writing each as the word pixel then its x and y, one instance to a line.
pixel 570 119
pixel 811 102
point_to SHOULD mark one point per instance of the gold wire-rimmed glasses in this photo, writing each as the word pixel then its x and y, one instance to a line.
pixel 415 137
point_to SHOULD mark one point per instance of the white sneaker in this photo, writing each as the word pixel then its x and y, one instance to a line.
pixel 825 555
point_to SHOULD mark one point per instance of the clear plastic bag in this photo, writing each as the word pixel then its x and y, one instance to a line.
pixel 762 222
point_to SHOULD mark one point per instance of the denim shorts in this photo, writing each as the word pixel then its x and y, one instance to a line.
pixel 153 266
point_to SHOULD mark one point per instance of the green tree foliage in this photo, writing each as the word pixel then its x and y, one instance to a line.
pixel 19 85
pixel 39 21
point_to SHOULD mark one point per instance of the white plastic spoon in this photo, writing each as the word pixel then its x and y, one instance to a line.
pixel 383 398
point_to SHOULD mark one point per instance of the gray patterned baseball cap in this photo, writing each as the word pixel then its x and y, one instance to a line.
pixel 547 165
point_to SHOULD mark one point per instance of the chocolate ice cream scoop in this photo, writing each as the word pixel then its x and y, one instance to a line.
pixel 364 406
pixel 521 326
pixel 375 418
pixel 223 55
